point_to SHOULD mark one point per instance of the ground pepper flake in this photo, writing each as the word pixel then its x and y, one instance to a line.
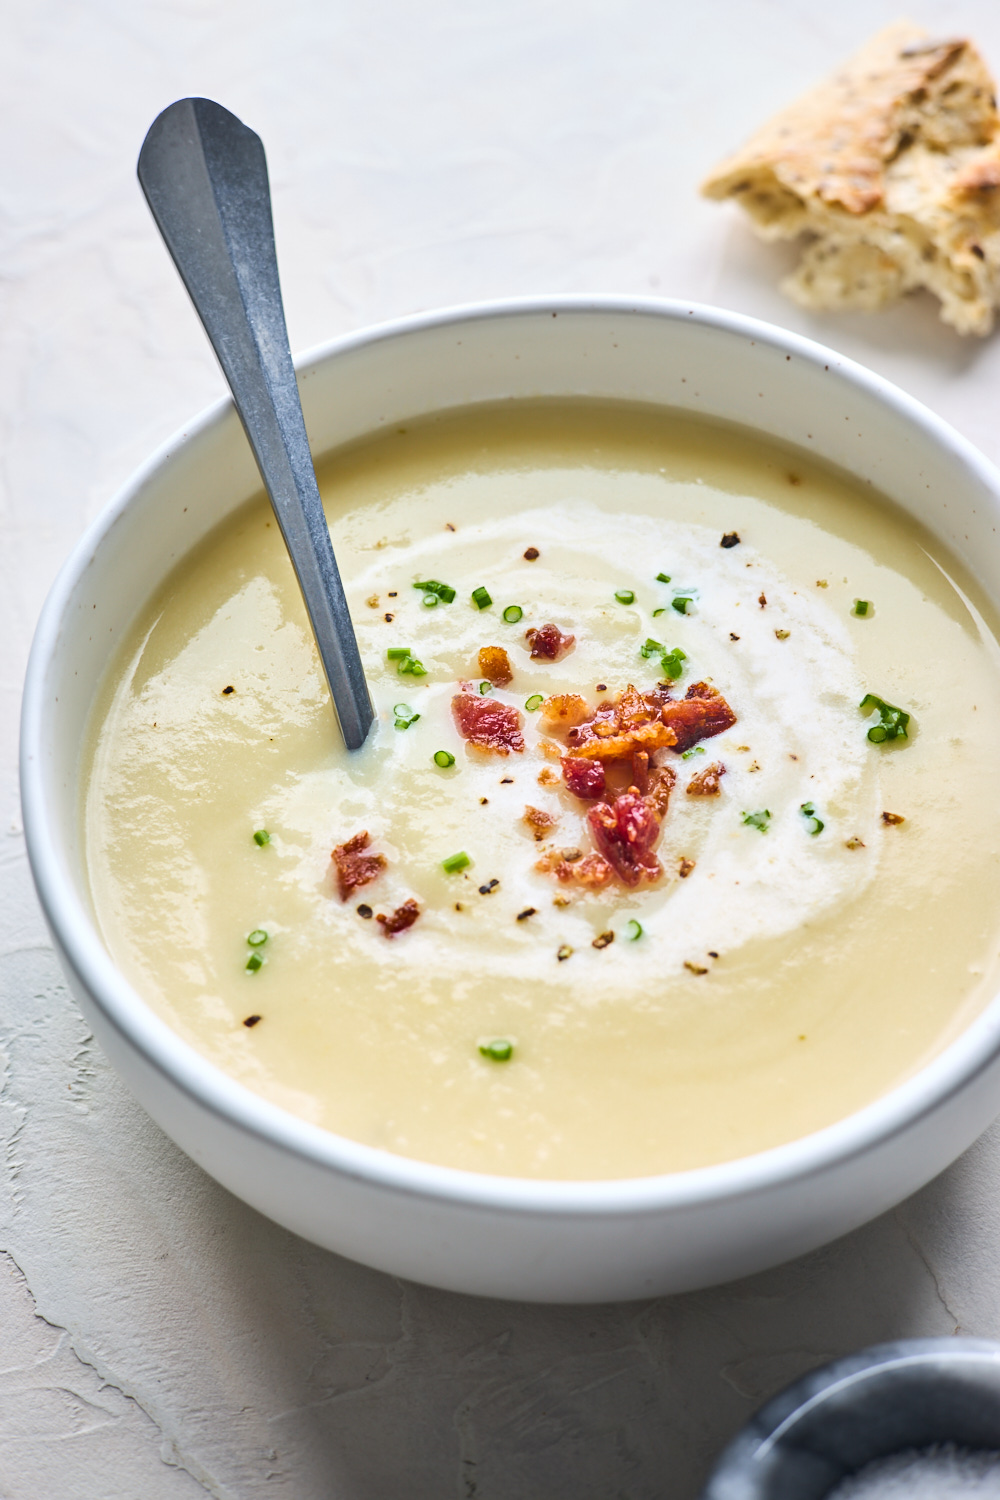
pixel 684 867
pixel 695 968
pixel 603 939
pixel 531 554
pixel 892 820
pixel 253 1020
pixel 730 539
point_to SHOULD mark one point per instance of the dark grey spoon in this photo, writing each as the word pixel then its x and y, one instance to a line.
pixel 204 175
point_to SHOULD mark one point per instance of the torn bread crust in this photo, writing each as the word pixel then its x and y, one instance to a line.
pixel 893 166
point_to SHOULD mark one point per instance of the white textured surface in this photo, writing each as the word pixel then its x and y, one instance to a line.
pixel 158 1339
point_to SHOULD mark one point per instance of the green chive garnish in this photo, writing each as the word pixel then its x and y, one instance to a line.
pixel 681 602
pixel 758 820
pixel 513 613
pixel 455 862
pixel 673 663
pixel 650 647
pixel 633 930
pixel 892 721
pixel 444 759
pixel 430 601
pixel 262 837
pixel 663 577
pixel 404 716
pixel 659 612
pixel 695 750
pixel 535 701
pixel 485 687
pixel 498 1051
pixel 257 938
pixel 255 962
pixel 481 598
pixel 808 811
pixel 625 596
pixel 862 607
pixel 410 667
pixel 397 653
pixel 439 590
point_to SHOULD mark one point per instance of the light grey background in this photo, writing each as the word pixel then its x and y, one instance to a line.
pixel 158 1340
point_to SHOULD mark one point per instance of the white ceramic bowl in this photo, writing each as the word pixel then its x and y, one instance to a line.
pixel 500 1236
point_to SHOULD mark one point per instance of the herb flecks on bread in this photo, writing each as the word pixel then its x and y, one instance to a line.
pixel 892 165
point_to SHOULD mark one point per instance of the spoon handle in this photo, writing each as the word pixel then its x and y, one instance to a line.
pixel 204 175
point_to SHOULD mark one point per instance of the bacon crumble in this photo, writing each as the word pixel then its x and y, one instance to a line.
pixel 539 822
pixel 353 867
pixel 486 724
pixel 494 665
pixel 403 917
pixel 700 714
pixel 625 833
pixel 706 783
pixel 548 643
pixel 592 871
pixel 584 778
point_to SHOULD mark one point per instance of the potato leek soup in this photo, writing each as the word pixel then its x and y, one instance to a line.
pixel 676 837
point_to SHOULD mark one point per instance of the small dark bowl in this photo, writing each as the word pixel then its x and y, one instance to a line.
pixel 835 1420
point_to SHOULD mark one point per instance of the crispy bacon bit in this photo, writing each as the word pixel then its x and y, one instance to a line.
pixel 633 722
pixel 548 643
pixel 563 711
pixel 539 822
pixel 353 867
pixel 706 783
pixel 494 664
pixel 640 770
pixel 403 917
pixel 684 867
pixel 661 784
pixel 547 777
pixel 592 871
pixel 702 713
pixel 625 834
pixel 486 724
pixel 584 778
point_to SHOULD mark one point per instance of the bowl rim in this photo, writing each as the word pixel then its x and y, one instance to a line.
pixel 966 1057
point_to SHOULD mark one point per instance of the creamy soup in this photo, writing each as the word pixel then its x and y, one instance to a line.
pixel 634 932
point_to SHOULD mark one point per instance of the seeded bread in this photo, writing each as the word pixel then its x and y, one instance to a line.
pixel 892 166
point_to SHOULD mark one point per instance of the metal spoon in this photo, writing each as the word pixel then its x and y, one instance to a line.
pixel 204 175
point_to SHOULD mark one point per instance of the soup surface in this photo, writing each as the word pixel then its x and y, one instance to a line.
pixel 729 965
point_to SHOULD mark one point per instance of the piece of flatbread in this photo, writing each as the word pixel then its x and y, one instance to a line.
pixel 893 167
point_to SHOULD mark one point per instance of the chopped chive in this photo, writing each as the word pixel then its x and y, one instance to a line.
pixel 255 962
pixel 663 577
pixel 625 596
pixel 410 667
pixel 535 701
pixel 444 759
pixel 892 723
pixel 633 930
pixel 513 613
pixel 650 647
pixel 497 1051
pixel 261 837
pixel 862 607
pixel 397 653
pixel 455 862
pixel 673 663
pixel 757 820
pixel 404 716
pixel 481 598
pixel 257 938
pixel 808 811
pixel 695 750
pixel 681 602
pixel 439 590
pixel 430 601
pixel 485 687
pixel 659 612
